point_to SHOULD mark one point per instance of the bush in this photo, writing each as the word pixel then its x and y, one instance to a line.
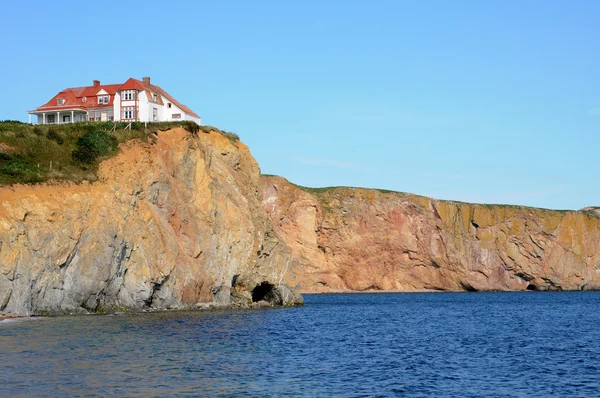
pixel 20 170
pixel 192 127
pixel 207 129
pixel 54 136
pixel 231 136
pixel 92 145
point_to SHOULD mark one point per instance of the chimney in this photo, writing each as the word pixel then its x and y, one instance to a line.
pixel 96 83
pixel 146 80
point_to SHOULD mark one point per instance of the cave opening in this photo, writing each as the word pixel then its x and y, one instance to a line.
pixel 266 292
pixel 532 287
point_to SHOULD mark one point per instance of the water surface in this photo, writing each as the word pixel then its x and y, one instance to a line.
pixel 420 344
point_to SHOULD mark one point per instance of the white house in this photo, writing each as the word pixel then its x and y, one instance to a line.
pixel 133 100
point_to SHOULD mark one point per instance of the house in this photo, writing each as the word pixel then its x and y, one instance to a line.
pixel 133 100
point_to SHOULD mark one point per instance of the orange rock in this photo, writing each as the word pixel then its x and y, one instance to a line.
pixel 165 226
pixel 355 239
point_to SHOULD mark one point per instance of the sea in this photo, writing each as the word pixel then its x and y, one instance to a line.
pixel 530 344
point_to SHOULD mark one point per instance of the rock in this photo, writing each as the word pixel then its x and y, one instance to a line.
pixel 351 239
pixel 166 225
pixel 289 296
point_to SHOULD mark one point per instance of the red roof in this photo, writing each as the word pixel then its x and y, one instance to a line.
pixel 80 98
pixel 84 98
pixel 134 84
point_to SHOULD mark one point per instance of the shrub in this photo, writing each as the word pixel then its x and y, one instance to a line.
pixel 54 136
pixel 192 127
pixel 37 130
pixel 92 145
pixel 20 170
pixel 207 129
pixel 11 121
pixel 231 136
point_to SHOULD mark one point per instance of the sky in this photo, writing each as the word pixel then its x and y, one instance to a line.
pixel 476 101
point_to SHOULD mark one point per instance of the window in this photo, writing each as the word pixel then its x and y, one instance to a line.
pixel 103 99
pixel 168 105
pixel 176 116
pixel 84 99
pixel 154 114
pixel 60 101
pixel 128 95
pixel 154 97
pixel 128 112
pixel 50 119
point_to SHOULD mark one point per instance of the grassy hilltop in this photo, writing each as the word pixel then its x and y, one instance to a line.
pixel 35 153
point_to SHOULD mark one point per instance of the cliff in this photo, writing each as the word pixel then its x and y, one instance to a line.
pixel 167 225
pixel 351 239
pixel 188 221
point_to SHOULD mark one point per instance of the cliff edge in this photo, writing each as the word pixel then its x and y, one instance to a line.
pixel 352 239
pixel 167 225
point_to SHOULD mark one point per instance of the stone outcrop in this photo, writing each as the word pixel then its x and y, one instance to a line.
pixel 350 239
pixel 187 221
pixel 167 225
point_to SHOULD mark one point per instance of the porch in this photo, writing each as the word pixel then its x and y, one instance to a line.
pixel 60 117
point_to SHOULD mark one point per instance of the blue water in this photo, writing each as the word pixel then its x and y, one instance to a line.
pixel 437 344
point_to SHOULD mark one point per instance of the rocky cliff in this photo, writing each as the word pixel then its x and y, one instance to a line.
pixel 188 221
pixel 350 239
pixel 167 225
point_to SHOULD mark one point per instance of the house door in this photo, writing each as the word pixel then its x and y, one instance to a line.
pixel 66 119
pixel 104 116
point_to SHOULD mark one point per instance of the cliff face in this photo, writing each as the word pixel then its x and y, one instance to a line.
pixel 166 225
pixel 189 220
pixel 359 239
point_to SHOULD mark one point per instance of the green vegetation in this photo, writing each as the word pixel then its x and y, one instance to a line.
pixel 231 136
pixel 593 211
pixel 36 153
pixel 93 145
pixel 322 190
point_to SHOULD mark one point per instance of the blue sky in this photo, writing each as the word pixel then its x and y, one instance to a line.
pixel 484 101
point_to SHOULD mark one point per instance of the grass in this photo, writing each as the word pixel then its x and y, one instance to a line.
pixel 231 136
pixel 35 153
pixel 322 190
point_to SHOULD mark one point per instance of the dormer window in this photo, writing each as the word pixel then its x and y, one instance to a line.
pixel 60 101
pixel 103 99
pixel 128 95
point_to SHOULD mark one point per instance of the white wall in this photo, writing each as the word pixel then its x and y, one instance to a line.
pixel 193 119
pixel 117 107
pixel 145 107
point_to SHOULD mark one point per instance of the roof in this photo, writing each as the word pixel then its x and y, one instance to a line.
pixel 80 98
pixel 84 98
pixel 134 84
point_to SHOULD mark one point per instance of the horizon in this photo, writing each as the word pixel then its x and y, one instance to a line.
pixel 480 103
